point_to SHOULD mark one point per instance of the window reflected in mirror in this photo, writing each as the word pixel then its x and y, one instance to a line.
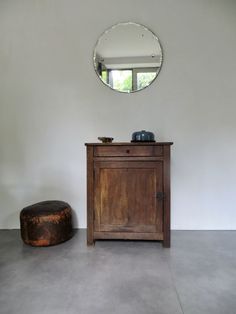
pixel 128 57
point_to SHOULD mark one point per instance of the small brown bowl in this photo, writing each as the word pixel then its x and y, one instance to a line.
pixel 106 139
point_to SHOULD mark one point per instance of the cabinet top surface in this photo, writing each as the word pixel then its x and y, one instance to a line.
pixel 129 143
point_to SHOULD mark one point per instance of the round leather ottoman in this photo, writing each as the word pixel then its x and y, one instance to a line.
pixel 46 223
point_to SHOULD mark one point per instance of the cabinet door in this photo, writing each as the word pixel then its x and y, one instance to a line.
pixel 126 196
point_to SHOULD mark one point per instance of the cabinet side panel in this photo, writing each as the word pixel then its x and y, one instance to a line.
pixel 166 226
pixel 159 202
pixel 90 195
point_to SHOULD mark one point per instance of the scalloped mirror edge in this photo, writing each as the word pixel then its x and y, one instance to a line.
pixel 128 57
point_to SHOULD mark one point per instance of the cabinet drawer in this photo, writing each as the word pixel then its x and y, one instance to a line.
pixel 128 150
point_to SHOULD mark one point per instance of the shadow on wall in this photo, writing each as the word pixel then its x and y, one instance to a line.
pixel 50 185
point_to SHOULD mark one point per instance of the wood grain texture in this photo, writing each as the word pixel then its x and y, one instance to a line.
pixel 166 240
pixel 127 185
pixel 127 150
pixel 130 144
pixel 128 235
pixel 125 196
pixel 90 195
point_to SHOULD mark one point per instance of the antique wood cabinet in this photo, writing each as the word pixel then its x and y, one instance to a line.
pixel 128 191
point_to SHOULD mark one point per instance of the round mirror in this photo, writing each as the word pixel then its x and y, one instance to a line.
pixel 127 57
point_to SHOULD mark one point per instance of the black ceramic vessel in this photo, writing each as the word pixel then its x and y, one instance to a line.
pixel 143 136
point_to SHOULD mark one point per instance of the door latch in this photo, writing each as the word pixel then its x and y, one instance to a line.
pixel 160 196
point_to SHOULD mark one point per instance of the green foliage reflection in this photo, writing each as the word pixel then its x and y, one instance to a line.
pixel 144 79
pixel 122 80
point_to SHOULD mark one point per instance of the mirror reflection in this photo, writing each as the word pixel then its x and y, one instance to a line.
pixel 128 57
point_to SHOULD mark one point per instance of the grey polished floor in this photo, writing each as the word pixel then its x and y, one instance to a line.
pixel 196 276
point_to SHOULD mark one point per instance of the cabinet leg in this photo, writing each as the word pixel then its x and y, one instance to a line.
pixel 90 242
pixel 166 240
pixel 90 239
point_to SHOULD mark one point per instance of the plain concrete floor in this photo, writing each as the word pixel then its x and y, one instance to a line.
pixel 196 276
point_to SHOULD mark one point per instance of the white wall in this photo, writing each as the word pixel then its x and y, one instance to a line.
pixel 51 102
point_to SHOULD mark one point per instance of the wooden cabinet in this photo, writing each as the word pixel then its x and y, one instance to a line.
pixel 128 191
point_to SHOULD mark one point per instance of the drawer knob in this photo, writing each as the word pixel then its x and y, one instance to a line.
pixel 127 151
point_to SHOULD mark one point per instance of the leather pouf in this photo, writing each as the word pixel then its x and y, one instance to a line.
pixel 46 223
